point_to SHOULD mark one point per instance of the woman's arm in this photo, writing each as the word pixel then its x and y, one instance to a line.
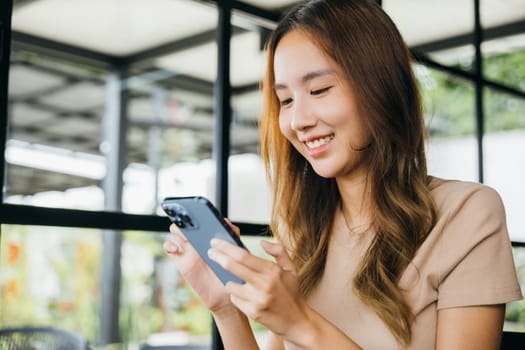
pixel 473 327
pixel 235 330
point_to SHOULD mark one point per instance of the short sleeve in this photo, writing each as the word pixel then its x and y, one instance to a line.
pixel 476 262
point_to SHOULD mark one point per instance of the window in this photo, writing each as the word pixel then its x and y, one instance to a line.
pixel 111 106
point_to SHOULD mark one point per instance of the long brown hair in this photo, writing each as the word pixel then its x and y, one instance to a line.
pixel 365 43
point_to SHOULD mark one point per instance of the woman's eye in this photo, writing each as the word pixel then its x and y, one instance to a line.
pixel 320 91
pixel 286 102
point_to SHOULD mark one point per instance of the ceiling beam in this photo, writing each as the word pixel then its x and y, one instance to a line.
pixel 176 46
pixel 270 15
pixel 468 38
pixel 63 51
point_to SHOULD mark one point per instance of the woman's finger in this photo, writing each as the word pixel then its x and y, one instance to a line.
pixel 241 256
pixel 234 228
pixel 172 246
pixel 178 233
pixel 232 265
pixel 279 253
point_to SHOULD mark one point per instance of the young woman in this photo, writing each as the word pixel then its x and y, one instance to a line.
pixel 372 252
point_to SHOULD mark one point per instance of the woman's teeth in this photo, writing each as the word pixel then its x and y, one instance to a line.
pixel 319 142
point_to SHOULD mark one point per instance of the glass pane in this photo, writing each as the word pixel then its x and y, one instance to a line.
pixel 515 311
pixel 504 61
pixel 171 129
pixel 504 143
pixel 61 67
pixel 504 46
pixel 461 57
pixel 154 291
pixel 449 114
pixel 49 276
pixel 248 191
pixel 55 111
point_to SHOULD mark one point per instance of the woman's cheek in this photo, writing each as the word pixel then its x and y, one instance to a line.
pixel 284 125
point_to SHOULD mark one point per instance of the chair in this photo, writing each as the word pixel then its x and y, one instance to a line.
pixel 174 347
pixel 513 341
pixel 40 338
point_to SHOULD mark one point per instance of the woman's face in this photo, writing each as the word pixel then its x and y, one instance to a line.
pixel 318 114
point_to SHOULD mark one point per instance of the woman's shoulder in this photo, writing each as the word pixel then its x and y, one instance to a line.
pixel 451 195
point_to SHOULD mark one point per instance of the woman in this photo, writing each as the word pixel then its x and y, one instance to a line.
pixel 372 252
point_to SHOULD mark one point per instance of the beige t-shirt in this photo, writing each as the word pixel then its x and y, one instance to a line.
pixel 465 261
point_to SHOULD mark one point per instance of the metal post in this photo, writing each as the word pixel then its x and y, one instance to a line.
pixel 6 7
pixel 478 71
pixel 114 145
pixel 159 99
pixel 221 146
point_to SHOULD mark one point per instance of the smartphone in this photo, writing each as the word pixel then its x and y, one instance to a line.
pixel 200 221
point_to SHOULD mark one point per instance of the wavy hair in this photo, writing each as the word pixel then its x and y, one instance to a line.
pixel 366 44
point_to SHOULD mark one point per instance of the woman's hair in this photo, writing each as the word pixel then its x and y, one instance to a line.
pixel 366 44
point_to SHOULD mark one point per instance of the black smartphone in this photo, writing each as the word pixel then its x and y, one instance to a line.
pixel 200 221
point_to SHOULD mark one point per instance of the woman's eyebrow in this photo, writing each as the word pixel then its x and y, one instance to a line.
pixel 316 74
pixel 307 77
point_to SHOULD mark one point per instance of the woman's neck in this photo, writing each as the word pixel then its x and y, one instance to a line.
pixel 355 202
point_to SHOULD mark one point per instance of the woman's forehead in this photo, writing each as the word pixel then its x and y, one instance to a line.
pixel 297 55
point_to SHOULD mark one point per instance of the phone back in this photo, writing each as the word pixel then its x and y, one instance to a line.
pixel 200 221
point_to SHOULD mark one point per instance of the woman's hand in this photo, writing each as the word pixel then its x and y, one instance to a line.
pixel 271 294
pixel 232 324
pixel 196 272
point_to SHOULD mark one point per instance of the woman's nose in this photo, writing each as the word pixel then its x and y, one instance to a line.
pixel 302 117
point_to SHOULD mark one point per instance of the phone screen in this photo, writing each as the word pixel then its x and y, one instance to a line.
pixel 200 222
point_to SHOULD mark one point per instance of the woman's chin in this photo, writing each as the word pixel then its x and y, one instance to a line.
pixel 324 172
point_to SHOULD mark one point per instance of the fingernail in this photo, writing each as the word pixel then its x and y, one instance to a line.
pixel 173 247
pixel 170 247
pixel 212 253
pixel 214 242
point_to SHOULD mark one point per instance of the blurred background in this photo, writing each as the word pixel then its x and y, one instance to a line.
pixel 113 105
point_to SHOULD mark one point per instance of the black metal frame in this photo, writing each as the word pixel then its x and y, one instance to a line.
pixel 29 215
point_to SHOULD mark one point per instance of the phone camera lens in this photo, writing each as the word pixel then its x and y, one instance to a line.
pixel 179 222
pixel 187 220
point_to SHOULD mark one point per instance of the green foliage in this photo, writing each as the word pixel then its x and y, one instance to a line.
pixel 508 68
pixel 515 311
pixel 449 102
